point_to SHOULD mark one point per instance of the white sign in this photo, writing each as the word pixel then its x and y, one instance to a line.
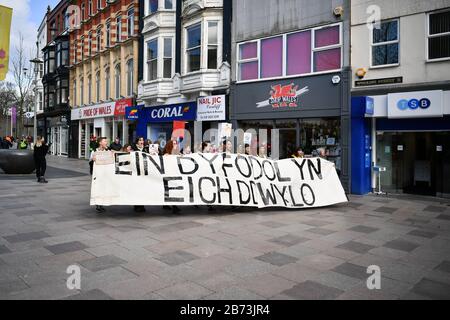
pixel 211 108
pixel 29 115
pixel 415 104
pixel 225 130
pixel 95 111
pixel 138 178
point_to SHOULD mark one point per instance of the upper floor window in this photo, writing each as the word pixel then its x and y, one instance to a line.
pixel 385 44
pixel 75 51
pixel 99 5
pixel 303 52
pixel 81 91
pixel 83 12
pixel 118 29
pixel 99 40
pixel 108 34
pixel 168 4
pixel 152 59
pixel 130 22
pixel 193 47
pixel 107 84
pixel 152 6
pixel 439 36
pixel 89 89
pixel 66 19
pixel 97 85
pixel 130 78
pixel 90 44
pixel 117 80
pixel 213 44
pixel 74 99
pixel 90 11
pixel 167 58
pixel 82 48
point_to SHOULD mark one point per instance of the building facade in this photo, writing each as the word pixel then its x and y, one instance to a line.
pixel 103 70
pixel 401 96
pixel 185 57
pixel 39 88
pixel 54 121
pixel 291 76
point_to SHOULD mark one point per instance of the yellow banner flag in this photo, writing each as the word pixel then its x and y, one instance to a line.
pixel 5 30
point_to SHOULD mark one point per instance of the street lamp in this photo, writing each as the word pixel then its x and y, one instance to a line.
pixel 36 62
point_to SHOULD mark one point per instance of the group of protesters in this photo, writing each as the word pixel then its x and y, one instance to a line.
pixel 10 142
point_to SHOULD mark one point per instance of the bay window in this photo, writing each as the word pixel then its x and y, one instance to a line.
pixel 297 53
pixel 194 47
pixel 167 58
pixel 213 44
pixel 439 36
pixel 152 59
pixel 385 44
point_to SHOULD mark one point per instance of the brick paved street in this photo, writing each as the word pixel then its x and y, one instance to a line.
pixel 259 254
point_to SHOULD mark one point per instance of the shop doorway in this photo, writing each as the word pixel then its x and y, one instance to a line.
pixel 416 162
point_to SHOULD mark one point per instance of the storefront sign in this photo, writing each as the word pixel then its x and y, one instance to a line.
pixel 211 179
pixel 283 96
pixel 176 112
pixel 121 106
pixel 132 113
pixel 211 108
pixel 377 82
pixel 418 104
pixel 95 111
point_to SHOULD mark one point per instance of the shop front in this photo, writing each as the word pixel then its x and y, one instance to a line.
pixel 300 112
pixel 409 140
pixel 162 123
pixel 58 135
pixel 101 120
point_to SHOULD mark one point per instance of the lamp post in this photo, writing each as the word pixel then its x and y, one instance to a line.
pixel 36 62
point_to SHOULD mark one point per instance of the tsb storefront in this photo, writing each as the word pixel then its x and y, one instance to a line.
pixel 409 136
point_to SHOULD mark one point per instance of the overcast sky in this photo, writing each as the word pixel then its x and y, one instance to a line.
pixel 27 15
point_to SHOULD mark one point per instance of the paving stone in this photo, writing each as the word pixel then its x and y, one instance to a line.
pixel 102 263
pixel 443 217
pixel 310 290
pixel 402 245
pixel 316 223
pixel 66 247
pixel 184 291
pixel 422 233
pixel 234 293
pixel 434 209
pixel 321 231
pixel 363 229
pixel 352 270
pixel 4 249
pixel 94 226
pixel 25 213
pixel 272 224
pixel 11 286
pixel 177 258
pixel 389 210
pixel 276 258
pixel 22 237
pixel 432 289
pixel 444 266
pixel 355 246
pixel 289 240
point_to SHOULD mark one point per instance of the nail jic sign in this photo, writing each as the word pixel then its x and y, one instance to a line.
pixel 96 111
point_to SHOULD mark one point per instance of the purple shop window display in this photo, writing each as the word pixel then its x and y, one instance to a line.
pixel 272 57
pixel 299 53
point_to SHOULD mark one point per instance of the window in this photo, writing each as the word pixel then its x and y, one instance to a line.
pixel 385 44
pixel 66 19
pixel 90 44
pixel 193 48
pixel 130 22
pixel 90 8
pixel 82 48
pixel 75 51
pixel 74 102
pixel 40 102
pixel 271 57
pixel 439 35
pixel 53 29
pixel 99 40
pixel 58 54
pixel 41 70
pixel 81 91
pixel 130 67
pixel 248 61
pixel 168 4
pixel 152 6
pixel 97 85
pixel 83 12
pixel 213 44
pixel 62 91
pixel 297 53
pixel 108 34
pixel 99 5
pixel 89 89
pixel 117 81
pixel 51 60
pixel 65 53
pixel 152 59
pixel 118 29
pixel 167 58
pixel 107 84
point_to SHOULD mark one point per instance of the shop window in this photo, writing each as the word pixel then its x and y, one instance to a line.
pixel 167 59
pixel 248 61
pixel 193 50
pixel 439 35
pixel 130 66
pixel 385 44
pixel 212 44
pixel 152 59
pixel 327 50
pixel 298 53
pixel 272 57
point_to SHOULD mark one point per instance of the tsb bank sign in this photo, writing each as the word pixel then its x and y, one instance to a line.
pixel 417 104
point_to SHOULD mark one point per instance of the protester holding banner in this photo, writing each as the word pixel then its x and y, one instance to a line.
pixel 102 147
pixel 140 145
pixel 127 148
pixel 171 148
pixel 263 151
pixel 298 153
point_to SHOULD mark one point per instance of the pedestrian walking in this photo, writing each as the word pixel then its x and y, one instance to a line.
pixel 39 152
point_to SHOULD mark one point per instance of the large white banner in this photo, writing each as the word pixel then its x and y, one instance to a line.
pixel 215 179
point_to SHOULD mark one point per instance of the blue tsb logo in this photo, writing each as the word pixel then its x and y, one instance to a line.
pixel 413 104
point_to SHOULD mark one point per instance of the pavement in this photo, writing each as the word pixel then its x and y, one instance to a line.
pixel 252 254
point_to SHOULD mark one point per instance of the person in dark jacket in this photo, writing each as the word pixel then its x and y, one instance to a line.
pixel 116 146
pixel 39 153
